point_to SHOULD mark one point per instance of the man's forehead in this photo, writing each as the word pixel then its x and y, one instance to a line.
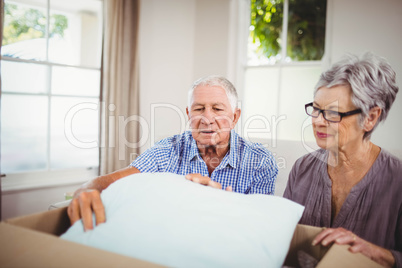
pixel 209 92
pixel 208 103
pixel 202 88
pixel 210 95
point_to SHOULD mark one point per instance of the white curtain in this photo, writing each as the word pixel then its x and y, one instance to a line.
pixel 120 92
pixel 1 41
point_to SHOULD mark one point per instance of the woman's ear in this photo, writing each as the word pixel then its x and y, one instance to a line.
pixel 372 118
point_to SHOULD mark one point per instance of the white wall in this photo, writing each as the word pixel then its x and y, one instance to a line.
pixel 370 25
pixel 166 60
pixel 180 41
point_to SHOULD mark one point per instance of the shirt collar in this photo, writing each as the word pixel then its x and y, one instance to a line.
pixel 234 140
pixel 230 158
pixel 194 149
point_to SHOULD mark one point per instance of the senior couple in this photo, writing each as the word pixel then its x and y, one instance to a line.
pixel 350 186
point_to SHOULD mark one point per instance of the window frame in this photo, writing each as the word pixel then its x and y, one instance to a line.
pixel 26 180
pixel 283 63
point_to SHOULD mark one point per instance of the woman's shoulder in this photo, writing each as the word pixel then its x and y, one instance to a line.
pixel 309 166
pixel 315 158
pixel 389 161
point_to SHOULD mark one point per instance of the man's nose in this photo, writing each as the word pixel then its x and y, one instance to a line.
pixel 208 117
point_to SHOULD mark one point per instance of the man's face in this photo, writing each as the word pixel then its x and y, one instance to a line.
pixel 211 116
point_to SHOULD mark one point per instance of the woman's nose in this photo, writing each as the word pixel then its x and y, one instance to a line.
pixel 320 120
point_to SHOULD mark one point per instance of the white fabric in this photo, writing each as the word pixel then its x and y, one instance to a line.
pixel 165 219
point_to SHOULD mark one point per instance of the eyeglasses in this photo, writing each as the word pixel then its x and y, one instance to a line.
pixel 331 116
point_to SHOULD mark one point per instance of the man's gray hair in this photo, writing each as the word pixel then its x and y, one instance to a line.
pixel 217 81
pixel 371 79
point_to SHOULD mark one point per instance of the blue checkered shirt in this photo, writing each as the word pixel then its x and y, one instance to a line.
pixel 248 167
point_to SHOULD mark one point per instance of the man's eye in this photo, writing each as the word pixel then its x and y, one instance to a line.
pixel 218 109
pixel 198 109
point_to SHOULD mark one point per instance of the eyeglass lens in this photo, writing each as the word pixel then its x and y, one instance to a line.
pixel 328 114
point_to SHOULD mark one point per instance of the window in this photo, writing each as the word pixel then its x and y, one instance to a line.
pixel 50 64
pixel 286 30
pixel 284 57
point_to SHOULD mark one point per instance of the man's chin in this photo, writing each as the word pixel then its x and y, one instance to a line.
pixel 207 142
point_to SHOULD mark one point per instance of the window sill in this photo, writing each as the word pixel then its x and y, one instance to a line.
pixel 42 179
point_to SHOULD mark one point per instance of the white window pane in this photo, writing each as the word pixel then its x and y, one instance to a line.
pixel 23 77
pixel 23 133
pixel 75 31
pixel 74 132
pixel 75 81
pixel 297 89
pixel 24 29
pixel 260 100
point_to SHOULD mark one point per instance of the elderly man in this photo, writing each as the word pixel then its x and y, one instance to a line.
pixel 211 153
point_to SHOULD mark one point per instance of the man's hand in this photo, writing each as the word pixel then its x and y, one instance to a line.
pixel 198 178
pixel 342 236
pixel 84 203
pixel 87 199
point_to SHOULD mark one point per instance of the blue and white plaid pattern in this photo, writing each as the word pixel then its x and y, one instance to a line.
pixel 248 167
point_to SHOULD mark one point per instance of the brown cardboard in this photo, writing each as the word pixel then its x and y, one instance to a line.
pixel 54 222
pixel 334 256
pixel 32 241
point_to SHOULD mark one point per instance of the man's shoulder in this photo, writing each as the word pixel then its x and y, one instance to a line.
pixel 253 147
pixel 175 141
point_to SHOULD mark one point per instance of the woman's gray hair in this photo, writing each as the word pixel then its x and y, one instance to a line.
pixel 217 81
pixel 371 79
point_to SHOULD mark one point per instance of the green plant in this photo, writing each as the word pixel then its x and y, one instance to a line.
pixel 306 28
pixel 28 23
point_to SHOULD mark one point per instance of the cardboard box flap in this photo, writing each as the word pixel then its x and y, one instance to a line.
pixel 301 241
pixel 54 222
pixel 334 256
pixel 340 256
pixel 20 247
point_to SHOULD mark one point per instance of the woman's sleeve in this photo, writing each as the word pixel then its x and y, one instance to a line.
pixel 397 252
pixel 398 258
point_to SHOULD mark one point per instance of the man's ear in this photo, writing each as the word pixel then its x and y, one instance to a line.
pixel 236 117
pixel 371 119
pixel 188 114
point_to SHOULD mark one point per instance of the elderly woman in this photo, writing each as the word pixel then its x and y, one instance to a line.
pixel 350 185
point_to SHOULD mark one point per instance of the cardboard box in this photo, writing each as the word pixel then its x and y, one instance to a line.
pixel 335 256
pixel 32 241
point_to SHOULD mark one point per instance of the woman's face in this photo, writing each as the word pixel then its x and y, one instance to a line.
pixel 342 135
